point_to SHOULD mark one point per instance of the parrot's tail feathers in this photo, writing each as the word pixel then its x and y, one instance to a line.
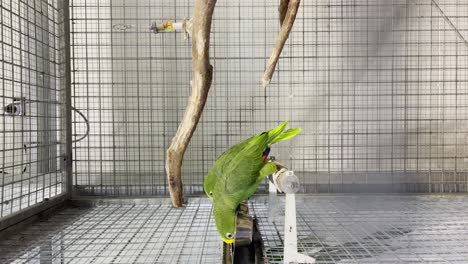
pixel 272 134
pixel 288 134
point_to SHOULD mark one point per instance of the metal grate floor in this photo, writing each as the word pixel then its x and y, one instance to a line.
pixel 333 229
pixel 373 229
pixel 148 231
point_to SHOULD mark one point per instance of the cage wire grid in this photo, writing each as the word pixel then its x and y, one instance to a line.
pixel 31 131
pixel 378 87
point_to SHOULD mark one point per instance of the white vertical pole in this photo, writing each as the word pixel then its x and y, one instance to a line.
pixel 285 181
pixel 272 202
pixel 290 234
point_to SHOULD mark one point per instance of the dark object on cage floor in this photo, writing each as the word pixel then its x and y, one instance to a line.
pixel 248 248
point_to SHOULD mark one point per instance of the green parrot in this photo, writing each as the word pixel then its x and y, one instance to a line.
pixel 216 171
pixel 236 174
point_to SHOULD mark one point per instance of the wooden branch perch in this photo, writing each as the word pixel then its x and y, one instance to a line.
pixel 282 9
pixel 201 82
pixel 287 19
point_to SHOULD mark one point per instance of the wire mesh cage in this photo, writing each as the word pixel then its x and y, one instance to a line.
pixel 91 98
pixel 379 88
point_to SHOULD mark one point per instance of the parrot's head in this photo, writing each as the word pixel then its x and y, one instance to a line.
pixel 225 219
pixel 209 184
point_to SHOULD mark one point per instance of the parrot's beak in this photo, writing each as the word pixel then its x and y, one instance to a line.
pixel 228 241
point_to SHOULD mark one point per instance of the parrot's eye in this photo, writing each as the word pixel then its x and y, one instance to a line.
pixel 211 193
pixel 229 236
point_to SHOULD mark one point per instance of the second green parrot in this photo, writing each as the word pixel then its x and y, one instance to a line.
pixel 236 174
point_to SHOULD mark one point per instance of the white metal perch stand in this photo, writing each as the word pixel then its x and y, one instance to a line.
pixel 285 181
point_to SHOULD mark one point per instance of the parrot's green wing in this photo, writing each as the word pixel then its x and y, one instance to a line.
pixel 222 161
pixel 240 178
pixel 256 146
pixel 218 168
pixel 275 135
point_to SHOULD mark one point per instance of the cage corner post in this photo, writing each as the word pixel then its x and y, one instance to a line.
pixel 201 82
pixel 66 135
